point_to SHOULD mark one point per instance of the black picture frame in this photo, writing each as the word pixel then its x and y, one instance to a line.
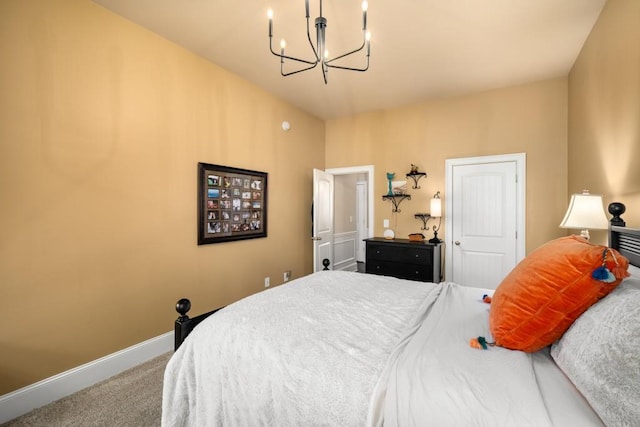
pixel 232 204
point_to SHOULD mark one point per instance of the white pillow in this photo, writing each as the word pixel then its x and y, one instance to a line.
pixel 600 353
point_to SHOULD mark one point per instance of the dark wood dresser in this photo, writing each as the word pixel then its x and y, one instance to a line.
pixel 404 259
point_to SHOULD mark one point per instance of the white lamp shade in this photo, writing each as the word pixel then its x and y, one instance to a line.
pixel 585 212
pixel 436 207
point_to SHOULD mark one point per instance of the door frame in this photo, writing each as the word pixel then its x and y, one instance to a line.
pixel 521 165
pixel 361 206
pixel 368 170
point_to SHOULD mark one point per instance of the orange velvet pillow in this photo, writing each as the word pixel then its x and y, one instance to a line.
pixel 542 296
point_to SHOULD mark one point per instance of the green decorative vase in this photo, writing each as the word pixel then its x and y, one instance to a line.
pixel 390 176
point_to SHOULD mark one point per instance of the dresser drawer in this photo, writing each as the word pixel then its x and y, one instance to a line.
pixel 412 255
pixel 419 272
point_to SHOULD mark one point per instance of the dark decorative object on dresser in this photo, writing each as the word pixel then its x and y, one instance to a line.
pixel 404 259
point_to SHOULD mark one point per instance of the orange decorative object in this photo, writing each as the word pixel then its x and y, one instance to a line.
pixel 547 291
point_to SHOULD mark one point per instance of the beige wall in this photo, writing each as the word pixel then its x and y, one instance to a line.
pixel 102 126
pixel 604 111
pixel 531 118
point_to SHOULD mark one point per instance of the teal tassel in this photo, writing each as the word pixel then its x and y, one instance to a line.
pixel 602 273
pixel 483 342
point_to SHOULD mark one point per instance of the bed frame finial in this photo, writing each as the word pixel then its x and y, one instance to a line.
pixel 182 307
pixel 616 209
pixel 183 324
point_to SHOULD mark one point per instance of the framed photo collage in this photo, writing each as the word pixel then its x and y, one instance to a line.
pixel 232 204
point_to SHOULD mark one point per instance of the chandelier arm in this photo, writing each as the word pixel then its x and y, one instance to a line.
pixel 364 43
pixel 297 71
pixel 312 63
pixel 289 57
pixel 350 68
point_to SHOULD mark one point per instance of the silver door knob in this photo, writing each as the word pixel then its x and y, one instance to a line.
pixel 457 243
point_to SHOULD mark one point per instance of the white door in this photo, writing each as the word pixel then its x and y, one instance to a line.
pixel 322 219
pixel 485 232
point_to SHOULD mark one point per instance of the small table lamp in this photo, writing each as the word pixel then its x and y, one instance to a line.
pixel 436 212
pixel 585 212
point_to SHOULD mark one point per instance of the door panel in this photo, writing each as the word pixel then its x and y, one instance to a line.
pixel 490 266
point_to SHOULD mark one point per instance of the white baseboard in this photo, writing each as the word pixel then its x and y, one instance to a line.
pixel 33 396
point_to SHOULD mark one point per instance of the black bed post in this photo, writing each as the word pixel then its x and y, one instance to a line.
pixel 616 209
pixel 182 307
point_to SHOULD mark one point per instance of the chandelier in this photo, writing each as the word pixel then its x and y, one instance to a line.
pixel 320 51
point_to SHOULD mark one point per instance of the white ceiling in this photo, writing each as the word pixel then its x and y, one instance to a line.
pixel 420 49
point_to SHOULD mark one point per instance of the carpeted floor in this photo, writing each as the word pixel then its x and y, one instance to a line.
pixel 132 398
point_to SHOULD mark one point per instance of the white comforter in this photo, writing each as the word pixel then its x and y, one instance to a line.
pixel 351 349
pixel 306 353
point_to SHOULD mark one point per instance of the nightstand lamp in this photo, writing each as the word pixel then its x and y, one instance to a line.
pixel 436 212
pixel 585 212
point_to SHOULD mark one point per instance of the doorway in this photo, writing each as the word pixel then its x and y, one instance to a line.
pixel 352 211
pixel 485 218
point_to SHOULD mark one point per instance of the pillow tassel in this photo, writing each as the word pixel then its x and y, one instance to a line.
pixel 486 298
pixel 618 271
pixel 475 344
pixel 602 273
pixel 480 343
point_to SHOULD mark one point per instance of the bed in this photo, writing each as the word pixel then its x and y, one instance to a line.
pixel 351 349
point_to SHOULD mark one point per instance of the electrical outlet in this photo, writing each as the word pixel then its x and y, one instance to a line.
pixel 286 276
pixel 267 282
